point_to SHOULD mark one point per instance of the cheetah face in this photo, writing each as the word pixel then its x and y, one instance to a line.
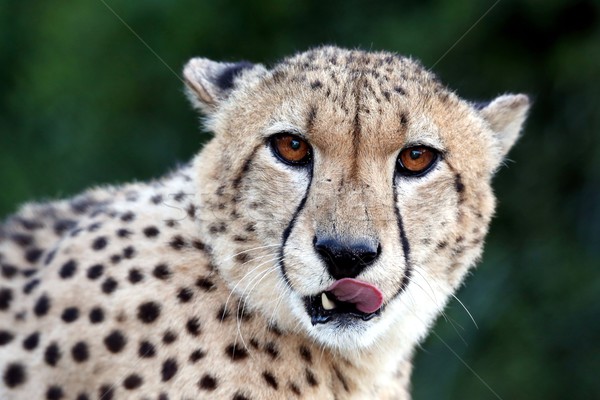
pixel 346 193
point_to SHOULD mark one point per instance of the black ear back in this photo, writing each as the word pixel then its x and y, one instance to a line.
pixel 210 82
pixel 226 78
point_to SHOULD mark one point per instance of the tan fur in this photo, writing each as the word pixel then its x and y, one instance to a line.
pixel 234 231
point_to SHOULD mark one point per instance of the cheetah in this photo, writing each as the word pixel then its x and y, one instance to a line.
pixel 303 253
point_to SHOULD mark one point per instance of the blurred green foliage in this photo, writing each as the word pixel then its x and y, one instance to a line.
pixel 83 101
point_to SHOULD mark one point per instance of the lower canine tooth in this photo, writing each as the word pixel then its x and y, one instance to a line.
pixel 327 304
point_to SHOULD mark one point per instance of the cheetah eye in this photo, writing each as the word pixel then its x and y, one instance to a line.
pixel 291 149
pixel 416 160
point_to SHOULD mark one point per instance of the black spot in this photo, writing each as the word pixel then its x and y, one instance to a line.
pixel 135 275
pixel 177 242
pixel 242 257
pixel 161 271
pixel 80 352
pixel 306 354
pixel 272 350
pixel 400 90
pixel 240 396
pixel 109 285
pixel 270 379
pixel 42 306
pixel 197 355
pixel 226 79
pixel 70 314
pixel 30 225
pixel 31 341
pixel 191 211
pixel 223 313
pixel 96 315
pixel 403 119
pixel 179 196
pixel 50 257
pixel 341 378
pixel 128 216
pixel 124 233
pixel 52 354
pixel 459 185
pixel 193 326
pixel 76 232
pixel 99 243
pixel 236 353
pixel 208 382
pixel 163 396
pixel 106 392
pixel 148 312
pixel 115 258
pixel 151 231
pixel 169 369
pixel 14 375
pixel 198 245
pixel 316 84
pixel 133 381
pixel 29 286
pixel 128 252
pixel 94 227
pixel 6 297
pixel 22 239
pixel 156 199
pixel 29 272
pixel 295 389
pixel 8 271
pixel 33 255
pixel 68 269
pixel 272 327
pixel 115 341
pixel 82 204
pixel 54 393
pixel 63 225
pixel 244 314
pixel 82 396
pixel 95 271
pixel 6 337
pixel 205 284
pixel 169 337
pixel 146 350
pixel 310 378
pixel 185 294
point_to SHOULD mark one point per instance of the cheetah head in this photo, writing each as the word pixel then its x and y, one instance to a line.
pixel 345 194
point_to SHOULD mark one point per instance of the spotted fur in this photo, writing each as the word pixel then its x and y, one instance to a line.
pixel 192 286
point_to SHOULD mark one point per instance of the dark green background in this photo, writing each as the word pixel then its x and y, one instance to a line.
pixel 83 102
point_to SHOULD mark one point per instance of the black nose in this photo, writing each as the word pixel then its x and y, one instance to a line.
pixel 346 259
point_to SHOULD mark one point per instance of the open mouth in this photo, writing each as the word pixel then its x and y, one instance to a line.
pixel 346 299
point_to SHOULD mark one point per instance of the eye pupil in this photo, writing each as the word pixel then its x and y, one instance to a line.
pixel 415 154
pixel 295 144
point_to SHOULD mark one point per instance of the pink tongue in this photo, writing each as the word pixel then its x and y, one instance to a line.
pixel 366 297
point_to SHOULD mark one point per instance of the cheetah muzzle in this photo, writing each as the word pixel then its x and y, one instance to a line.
pixel 303 253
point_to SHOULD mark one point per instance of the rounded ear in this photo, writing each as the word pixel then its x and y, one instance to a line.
pixel 505 116
pixel 208 82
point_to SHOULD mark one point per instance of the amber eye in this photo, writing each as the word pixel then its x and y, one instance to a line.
pixel 416 160
pixel 291 149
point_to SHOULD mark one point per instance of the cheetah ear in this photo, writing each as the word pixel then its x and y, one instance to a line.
pixel 505 116
pixel 208 83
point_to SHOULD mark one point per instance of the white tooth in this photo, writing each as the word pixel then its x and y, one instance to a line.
pixel 327 304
